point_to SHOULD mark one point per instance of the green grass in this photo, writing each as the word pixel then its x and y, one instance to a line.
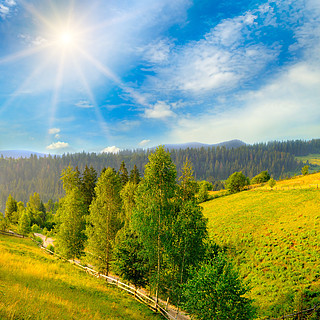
pixel 274 238
pixel 35 285
pixel 313 159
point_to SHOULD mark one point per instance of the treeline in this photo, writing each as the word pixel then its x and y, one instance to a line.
pixel 22 177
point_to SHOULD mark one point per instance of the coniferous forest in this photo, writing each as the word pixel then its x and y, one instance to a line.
pixel 22 177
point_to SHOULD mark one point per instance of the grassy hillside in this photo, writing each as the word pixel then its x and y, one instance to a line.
pixel 34 285
pixel 274 238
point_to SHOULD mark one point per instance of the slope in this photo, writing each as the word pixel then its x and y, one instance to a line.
pixel 273 236
pixel 35 285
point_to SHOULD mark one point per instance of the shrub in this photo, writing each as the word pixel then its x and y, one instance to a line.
pixel 236 182
pixel 261 177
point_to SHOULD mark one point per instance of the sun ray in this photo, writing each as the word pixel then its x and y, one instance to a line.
pixel 102 123
pixel 31 9
pixel 56 91
pixel 25 53
pixel 24 85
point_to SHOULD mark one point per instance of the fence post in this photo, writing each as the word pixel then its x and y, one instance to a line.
pixel 167 304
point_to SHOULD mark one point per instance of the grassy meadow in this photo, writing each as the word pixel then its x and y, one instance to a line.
pixel 35 285
pixel 274 238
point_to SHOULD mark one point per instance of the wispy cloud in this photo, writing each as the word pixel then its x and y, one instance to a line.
pixel 54 130
pixel 112 149
pixel 143 143
pixel 157 51
pixel 58 145
pixel 85 104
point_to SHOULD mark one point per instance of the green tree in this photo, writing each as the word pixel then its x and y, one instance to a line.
pixel 104 219
pixel 70 235
pixel 305 170
pixel 11 208
pixel 123 173
pixel 153 213
pixel 261 177
pixel 4 223
pixel 71 216
pixel 215 291
pixel 272 183
pixel 188 185
pixel 24 226
pixel 88 183
pixel 36 210
pixel 135 175
pixel 236 182
pixel 203 194
pixel 131 260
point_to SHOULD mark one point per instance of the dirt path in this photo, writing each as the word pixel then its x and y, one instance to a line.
pixel 46 241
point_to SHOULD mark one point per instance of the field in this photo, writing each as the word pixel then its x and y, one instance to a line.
pixel 274 238
pixel 313 159
pixel 35 285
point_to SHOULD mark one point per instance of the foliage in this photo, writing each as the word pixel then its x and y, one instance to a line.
pixel 71 216
pixel 36 285
pixel 104 220
pixel 88 183
pixel 305 170
pixel 272 183
pixel 131 261
pixel 4 223
pixel 135 175
pixel 215 291
pixel 203 194
pixel 24 226
pixel 36 210
pixel 263 176
pixel 11 208
pixel 123 173
pixel 153 213
pixel 35 228
pixel 236 182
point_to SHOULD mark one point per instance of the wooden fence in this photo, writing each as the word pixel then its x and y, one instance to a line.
pixel 304 314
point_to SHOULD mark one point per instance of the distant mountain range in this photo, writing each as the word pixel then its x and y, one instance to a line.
pixel 228 144
pixel 16 154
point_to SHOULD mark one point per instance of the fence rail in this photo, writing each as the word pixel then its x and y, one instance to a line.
pixel 299 315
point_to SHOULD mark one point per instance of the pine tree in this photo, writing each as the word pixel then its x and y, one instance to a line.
pixel 135 175
pixel 123 173
pixel 104 219
pixel 24 226
pixel 89 179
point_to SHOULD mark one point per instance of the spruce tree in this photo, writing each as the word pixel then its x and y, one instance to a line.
pixel 123 173
pixel 135 175
pixel 11 208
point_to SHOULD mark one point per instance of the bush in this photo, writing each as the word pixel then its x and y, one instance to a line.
pixel 35 229
pixel 215 291
pixel 236 182
pixel 39 241
pixel 50 247
pixel 261 177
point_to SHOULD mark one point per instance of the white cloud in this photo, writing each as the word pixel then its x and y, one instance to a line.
pixel 5 8
pixel 112 149
pixel 58 145
pixel 143 143
pixel 84 104
pixel 157 51
pixel 160 110
pixel 54 130
pixel 286 108
pixel 4 11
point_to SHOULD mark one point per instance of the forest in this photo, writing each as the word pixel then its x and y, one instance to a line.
pixel 22 177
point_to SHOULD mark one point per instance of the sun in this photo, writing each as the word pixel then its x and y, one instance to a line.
pixel 66 38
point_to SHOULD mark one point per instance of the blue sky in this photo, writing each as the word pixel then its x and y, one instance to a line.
pixel 108 75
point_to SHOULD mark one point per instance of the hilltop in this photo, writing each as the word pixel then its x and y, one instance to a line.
pixel 273 236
